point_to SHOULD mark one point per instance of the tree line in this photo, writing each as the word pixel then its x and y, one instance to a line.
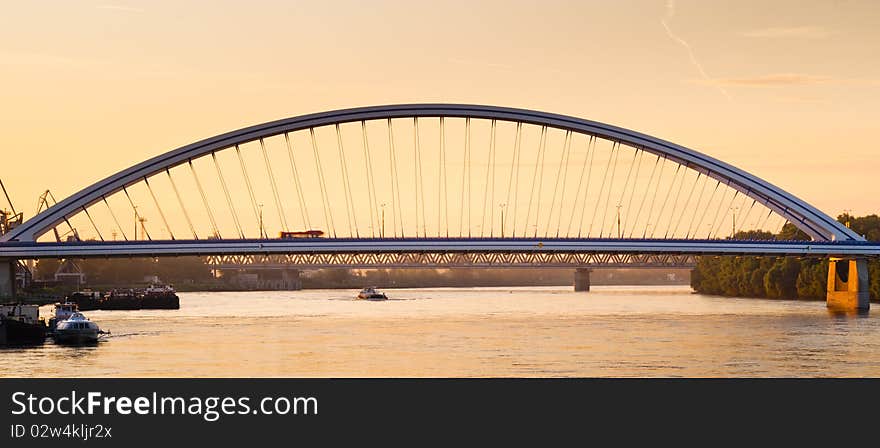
pixel 779 278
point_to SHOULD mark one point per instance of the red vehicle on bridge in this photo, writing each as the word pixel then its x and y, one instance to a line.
pixel 301 234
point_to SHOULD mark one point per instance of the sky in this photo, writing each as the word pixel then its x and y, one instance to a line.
pixel 787 90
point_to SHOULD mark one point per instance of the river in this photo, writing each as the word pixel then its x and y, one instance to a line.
pixel 619 331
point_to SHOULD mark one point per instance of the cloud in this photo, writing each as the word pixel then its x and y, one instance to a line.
pixel 795 32
pixel 670 13
pixel 120 8
pixel 772 80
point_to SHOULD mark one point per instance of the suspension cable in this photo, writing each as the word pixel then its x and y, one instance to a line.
pixel 623 191
pixel 706 180
pixel 303 210
pixel 514 166
pixel 668 194
pixel 567 149
pixel 443 188
pixel 714 220
pixel 577 191
pixel 745 217
pixel 601 189
pixel 371 182
pixel 420 184
pixel 204 199
pixel 395 185
pixel 489 184
pixel 328 214
pixel 686 202
pixel 134 208
pixel 349 201
pixel 591 154
pixel 766 218
pixel 539 163
pixel 562 162
pixel 717 226
pixel 648 190
pixel 653 199
pixel 180 202
pixel 464 176
pixel 247 181
pixel 632 192
pixel 705 210
pixel 113 215
pixel 228 197
pixel 611 158
pixel 158 207
pixel 93 223
pixel 610 188
pixel 279 206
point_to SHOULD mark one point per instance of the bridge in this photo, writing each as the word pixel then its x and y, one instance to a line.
pixel 438 185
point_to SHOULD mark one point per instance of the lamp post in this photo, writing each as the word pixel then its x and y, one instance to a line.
pixel 262 233
pixel 501 206
pixel 733 235
pixel 382 229
pixel 618 220
pixel 135 207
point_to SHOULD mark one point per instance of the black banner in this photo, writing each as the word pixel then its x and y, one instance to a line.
pixel 241 412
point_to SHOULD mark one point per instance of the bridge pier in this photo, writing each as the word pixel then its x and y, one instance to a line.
pixel 582 279
pixel 290 279
pixel 7 278
pixel 848 285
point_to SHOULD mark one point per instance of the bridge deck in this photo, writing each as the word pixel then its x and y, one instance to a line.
pixel 98 249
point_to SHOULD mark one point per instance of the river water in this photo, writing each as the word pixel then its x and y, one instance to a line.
pixel 462 332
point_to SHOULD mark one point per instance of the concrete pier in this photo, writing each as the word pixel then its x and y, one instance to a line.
pixel 582 279
pixel 7 278
pixel 848 285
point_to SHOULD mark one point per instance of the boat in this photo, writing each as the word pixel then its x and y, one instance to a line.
pixel 85 300
pixel 22 324
pixel 77 329
pixel 63 311
pixel 159 296
pixel 370 293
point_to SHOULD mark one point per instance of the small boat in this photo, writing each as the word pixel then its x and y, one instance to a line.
pixel 370 293
pixel 77 329
pixel 63 311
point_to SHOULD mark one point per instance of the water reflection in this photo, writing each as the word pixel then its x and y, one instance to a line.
pixel 469 332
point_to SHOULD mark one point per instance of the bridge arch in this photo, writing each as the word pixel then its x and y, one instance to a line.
pixel 817 225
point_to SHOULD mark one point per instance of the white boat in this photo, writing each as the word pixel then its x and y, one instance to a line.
pixel 77 329
pixel 370 293
pixel 63 311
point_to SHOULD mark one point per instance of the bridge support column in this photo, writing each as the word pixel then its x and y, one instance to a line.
pixel 291 280
pixel 582 279
pixel 7 278
pixel 848 285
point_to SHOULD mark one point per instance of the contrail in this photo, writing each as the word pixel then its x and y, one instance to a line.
pixel 670 13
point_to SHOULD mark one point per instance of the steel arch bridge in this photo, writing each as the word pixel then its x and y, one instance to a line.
pixel 565 185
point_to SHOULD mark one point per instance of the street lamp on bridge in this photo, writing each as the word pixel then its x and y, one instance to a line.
pixel 502 206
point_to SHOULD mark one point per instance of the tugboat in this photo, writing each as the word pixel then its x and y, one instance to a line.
pixel 370 293
pixel 77 329
pixel 22 324
pixel 63 311
pixel 85 300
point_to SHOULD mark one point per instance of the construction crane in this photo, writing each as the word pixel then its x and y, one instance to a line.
pixel 43 204
pixel 9 219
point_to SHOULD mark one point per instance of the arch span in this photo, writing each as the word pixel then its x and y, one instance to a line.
pixel 816 224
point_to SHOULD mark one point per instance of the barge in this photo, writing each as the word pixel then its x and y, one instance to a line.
pixel 21 324
pixel 153 297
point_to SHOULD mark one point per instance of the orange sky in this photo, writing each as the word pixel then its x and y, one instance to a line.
pixel 789 90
